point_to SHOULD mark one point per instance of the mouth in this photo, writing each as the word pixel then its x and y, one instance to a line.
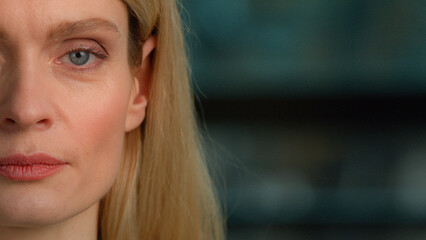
pixel 19 167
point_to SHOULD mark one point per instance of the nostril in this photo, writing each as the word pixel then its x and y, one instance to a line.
pixel 10 121
pixel 7 123
pixel 44 124
pixel 44 121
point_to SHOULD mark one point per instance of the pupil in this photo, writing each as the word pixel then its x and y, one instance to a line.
pixel 78 55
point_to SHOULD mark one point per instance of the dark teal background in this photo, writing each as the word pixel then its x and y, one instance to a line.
pixel 314 115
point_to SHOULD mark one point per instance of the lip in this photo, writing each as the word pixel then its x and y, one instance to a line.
pixel 20 167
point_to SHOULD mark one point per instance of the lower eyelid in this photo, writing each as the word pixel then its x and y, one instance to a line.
pixel 70 67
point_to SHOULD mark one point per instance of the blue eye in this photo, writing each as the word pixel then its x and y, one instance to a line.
pixel 79 58
pixel 83 57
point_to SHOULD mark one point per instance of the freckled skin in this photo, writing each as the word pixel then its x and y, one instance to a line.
pixel 47 105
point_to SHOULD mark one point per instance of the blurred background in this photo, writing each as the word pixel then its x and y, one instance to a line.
pixel 314 115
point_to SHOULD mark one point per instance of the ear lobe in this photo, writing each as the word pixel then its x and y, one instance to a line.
pixel 141 87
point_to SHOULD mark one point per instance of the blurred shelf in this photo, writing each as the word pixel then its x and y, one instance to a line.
pixel 322 207
pixel 332 110
pixel 327 232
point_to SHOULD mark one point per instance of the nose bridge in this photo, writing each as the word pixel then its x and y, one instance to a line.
pixel 23 100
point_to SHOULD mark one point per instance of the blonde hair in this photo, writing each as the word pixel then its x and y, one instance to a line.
pixel 163 190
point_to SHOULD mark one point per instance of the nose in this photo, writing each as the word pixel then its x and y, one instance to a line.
pixel 24 100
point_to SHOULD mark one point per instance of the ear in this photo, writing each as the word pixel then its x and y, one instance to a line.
pixel 142 84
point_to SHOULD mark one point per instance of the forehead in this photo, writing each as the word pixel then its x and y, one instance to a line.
pixel 24 19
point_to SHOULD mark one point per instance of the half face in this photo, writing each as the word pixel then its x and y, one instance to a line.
pixel 65 91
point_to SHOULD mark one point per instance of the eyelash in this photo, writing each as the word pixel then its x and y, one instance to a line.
pixel 91 50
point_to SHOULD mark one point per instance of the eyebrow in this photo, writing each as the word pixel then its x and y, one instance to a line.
pixel 67 29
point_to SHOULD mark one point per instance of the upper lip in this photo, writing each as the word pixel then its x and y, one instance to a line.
pixel 28 160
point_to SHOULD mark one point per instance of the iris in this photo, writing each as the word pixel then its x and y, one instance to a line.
pixel 79 58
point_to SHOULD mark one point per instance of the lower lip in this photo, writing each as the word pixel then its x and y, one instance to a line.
pixel 29 172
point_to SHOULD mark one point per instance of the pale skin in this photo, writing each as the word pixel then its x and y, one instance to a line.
pixel 76 113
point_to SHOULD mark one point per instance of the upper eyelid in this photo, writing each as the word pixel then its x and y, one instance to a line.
pixel 98 43
pixel 89 45
pixel 88 50
pixel 84 42
pixel 81 49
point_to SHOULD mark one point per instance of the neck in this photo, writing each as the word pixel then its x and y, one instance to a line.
pixel 83 226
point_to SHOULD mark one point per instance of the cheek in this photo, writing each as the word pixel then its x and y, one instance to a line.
pixel 99 132
pixel 96 134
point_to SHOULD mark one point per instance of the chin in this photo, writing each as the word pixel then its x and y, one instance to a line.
pixel 36 204
pixel 31 211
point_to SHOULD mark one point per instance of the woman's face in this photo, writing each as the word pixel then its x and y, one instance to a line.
pixel 65 91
